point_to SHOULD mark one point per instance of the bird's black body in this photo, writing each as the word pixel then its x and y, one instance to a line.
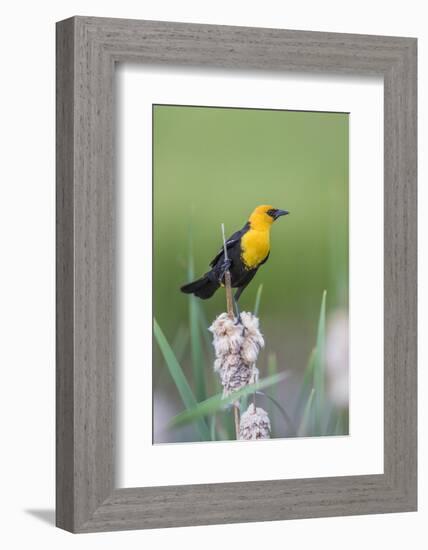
pixel 240 275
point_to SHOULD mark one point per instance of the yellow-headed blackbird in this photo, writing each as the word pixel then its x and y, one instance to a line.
pixel 247 250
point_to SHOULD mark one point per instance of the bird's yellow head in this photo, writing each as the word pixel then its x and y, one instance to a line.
pixel 264 215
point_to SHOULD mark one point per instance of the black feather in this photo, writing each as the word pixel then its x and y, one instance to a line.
pixel 231 242
pixel 240 275
pixel 202 288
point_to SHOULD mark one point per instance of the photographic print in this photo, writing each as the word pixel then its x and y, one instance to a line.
pixel 174 408
pixel 250 274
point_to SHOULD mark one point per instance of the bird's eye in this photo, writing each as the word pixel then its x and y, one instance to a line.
pixel 271 212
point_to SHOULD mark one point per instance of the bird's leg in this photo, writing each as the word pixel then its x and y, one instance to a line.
pixel 238 312
pixel 235 301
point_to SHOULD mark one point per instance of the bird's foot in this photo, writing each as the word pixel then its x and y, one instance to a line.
pixel 223 268
pixel 226 264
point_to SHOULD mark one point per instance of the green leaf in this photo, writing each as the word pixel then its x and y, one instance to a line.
pixel 243 403
pixel 217 402
pixel 203 322
pixel 180 342
pixel 332 421
pixel 212 428
pixel 307 382
pixel 225 429
pixel 197 355
pixel 342 424
pixel 180 380
pixel 303 428
pixel 258 298
pixel 179 345
pixel 319 366
pixel 281 409
pixel 196 352
pixel 272 369
pixel 272 364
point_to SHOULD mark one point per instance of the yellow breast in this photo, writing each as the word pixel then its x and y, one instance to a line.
pixel 255 247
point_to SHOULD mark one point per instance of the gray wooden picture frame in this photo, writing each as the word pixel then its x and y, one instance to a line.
pixel 87 51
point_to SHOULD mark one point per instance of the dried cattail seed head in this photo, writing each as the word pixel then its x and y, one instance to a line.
pixel 249 351
pixel 228 335
pixel 255 424
pixel 251 325
pixel 236 346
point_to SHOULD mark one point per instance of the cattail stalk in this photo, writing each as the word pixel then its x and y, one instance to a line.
pixel 237 344
pixel 230 312
pixel 227 279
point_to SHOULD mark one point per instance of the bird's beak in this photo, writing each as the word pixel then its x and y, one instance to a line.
pixel 279 213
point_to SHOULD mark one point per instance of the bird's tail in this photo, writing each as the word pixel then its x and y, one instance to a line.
pixel 202 288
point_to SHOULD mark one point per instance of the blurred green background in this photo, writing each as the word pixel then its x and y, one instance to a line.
pixel 215 165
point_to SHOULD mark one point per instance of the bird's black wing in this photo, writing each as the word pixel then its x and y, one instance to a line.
pixel 231 241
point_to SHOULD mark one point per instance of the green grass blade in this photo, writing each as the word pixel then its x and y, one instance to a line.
pixel 332 422
pixel 307 382
pixel 196 351
pixel 180 342
pixel 272 364
pixel 304 424
pixel 217 402
pixel 243 404
pixel 338 429
pixel 342 424
pixel 212 428
pixel 272 369
pixel 284 413
pixel 179 345
pixel 197 355
pixel 203 323
pixel 319 368
pixel 180 380
pixel 226 428
pixel 258 298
